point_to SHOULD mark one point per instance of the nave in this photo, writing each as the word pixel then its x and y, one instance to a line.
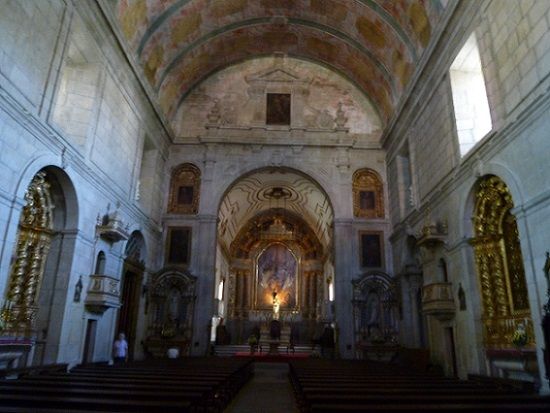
pixel 240 385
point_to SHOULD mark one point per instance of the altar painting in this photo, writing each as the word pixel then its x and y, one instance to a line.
pixel 277 272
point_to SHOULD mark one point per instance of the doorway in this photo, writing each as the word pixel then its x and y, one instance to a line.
pixel 128 315
pixel 89 343
pixel 451 349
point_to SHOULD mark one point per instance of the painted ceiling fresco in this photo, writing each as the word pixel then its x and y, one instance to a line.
pixel 323 93
pixel 375 43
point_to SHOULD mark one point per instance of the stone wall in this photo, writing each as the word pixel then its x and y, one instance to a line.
pixel 69 100
pixel 513 43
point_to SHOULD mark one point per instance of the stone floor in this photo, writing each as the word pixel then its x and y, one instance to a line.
pixel 269 391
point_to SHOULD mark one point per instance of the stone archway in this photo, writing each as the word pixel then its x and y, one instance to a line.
pixel 274 210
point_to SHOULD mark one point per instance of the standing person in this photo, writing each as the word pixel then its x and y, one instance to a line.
pixel 120 349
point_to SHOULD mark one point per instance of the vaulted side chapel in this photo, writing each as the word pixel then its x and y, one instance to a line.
pixel 355 177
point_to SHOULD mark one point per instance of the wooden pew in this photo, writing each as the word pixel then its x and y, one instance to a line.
pixel 27 371
pixel 369 387
pixel 185 386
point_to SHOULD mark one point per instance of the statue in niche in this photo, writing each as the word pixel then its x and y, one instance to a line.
pixel 372 314
pixel 172 300
pixel 376 309
pixel 461 298
pixel 546 269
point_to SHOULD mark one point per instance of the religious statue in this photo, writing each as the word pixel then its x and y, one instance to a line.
pixel 276 306
pixel 546 270
pixel 78 290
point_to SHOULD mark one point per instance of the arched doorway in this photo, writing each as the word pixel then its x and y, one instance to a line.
pixel 132 279
pixel 274 252
pixel 39 278
pixel 501 275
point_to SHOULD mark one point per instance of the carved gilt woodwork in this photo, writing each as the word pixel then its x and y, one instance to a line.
pixel 172 300
pixel 499 264
pixel 267 230
pixel 185 190
pixel 33 243
pixel 368 194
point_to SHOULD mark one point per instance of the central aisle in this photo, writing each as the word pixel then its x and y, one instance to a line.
pixel 269 391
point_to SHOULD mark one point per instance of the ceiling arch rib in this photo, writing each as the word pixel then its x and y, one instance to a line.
pixel 153 16
pixel 296 41
pixel 249 196
pixel 385 67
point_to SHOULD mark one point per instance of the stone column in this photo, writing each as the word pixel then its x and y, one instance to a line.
pixel 343 234
pixel 206 277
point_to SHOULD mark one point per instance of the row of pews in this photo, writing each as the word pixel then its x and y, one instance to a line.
pixel 322 386
pixel 165 386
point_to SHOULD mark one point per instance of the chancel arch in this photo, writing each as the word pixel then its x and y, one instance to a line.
pixel 274 243
pixel 501 275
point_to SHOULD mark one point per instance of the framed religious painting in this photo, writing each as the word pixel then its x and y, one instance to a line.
pixel 277 274
pixel 184 190
pixel 178 246
pixel 278 109
pixel 368 194
pixel 371 249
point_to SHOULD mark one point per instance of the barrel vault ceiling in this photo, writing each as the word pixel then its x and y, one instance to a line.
pixel 377 44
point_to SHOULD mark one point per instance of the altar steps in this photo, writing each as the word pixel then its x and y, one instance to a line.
pixel 231 350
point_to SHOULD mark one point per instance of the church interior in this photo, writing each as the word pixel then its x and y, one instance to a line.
pixel 355 184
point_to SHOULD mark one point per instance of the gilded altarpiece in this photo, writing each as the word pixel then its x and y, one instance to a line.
pixel 499 265
pixel 33 243
pixel 368 194
pixel 275 252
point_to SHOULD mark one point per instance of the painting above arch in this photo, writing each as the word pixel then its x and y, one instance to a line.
pixel 368 194
pixel 185 190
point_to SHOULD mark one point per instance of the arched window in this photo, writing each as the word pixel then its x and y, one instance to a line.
pixel 100 263
pixel 185 190
pixel 367 194
pixel 499 264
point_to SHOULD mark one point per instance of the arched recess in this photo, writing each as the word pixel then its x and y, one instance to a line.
pixel 37 288
pixel 275 236
pixel 499 264
pixel 368 194
pixel 376 301
pixel 185 186
pixel 132 278
pixel 100 263
pixel 172 302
